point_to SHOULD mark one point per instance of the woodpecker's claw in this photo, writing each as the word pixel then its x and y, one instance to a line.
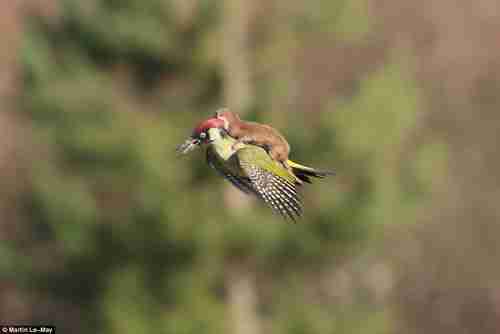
pixel 188 146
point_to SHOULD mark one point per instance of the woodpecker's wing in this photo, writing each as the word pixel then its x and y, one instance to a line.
pixel 225 170
pixel 270 180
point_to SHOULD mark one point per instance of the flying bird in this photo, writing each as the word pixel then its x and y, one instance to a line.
pixel 251 169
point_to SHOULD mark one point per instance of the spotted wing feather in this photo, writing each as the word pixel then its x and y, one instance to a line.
pixel 278 193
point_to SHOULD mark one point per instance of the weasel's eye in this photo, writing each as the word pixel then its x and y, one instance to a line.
pixel 203 135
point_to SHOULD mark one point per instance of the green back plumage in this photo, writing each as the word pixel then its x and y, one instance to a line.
pixel 253 171
pixel 261 158
pixel 223 146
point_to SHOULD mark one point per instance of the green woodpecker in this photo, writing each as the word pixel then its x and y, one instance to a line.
pixel 251 169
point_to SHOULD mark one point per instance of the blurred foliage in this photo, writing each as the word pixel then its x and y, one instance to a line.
pixel 141 238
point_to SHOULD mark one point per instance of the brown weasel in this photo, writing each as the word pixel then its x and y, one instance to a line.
pixel 257 134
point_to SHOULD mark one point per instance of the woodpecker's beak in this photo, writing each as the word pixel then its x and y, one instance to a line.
pixel 189 145
pixel 199 135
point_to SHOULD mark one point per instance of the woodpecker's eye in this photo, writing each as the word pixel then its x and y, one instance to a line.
pixel 203 135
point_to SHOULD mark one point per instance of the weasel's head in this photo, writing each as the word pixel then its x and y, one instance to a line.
pixel 228 117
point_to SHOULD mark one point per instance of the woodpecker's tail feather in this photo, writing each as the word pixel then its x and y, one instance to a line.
pixel 304 173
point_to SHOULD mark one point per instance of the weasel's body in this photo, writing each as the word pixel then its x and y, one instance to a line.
pixel 257 134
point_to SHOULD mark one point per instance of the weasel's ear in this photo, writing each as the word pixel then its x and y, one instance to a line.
pixel 219 112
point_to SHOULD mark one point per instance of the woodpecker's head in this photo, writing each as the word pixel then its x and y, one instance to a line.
pixel 228 117
pixel 200 135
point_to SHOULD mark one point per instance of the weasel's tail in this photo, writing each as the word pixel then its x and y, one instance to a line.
pixel 304 173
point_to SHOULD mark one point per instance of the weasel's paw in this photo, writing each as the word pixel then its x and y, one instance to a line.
pixel 246 140
pixel 237 145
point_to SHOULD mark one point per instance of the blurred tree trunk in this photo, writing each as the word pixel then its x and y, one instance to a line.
pixel 236 26
pixel 10 127
pixel 238 95
pixel 11 18
pixel 15 143
pixel 242 299
pixel 185 11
